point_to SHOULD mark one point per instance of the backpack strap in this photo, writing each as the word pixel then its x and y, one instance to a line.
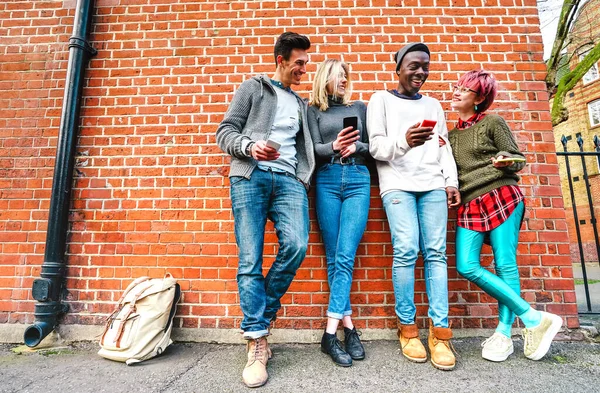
pixel 132 309
pixel 113 315
pixel 137 281
pixel 139 295
pixel 176 299
pixel 122 326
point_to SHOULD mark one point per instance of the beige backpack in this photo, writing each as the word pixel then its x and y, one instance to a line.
pixel 140 327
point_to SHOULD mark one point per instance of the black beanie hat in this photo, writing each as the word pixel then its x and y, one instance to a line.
pixel 414 47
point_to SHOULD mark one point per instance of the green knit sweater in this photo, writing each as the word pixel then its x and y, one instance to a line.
pixel 473 149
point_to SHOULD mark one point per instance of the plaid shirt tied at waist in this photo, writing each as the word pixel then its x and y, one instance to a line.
pixel 489 211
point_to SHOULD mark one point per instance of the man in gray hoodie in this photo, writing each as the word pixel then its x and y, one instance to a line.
pixel 266 134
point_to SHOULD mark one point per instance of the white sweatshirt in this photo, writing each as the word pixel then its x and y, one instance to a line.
pixel 400 167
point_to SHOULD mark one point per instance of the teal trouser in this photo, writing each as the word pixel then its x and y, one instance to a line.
pixel 504 286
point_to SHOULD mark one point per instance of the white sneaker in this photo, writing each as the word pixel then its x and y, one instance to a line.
pixel 537 340
pixel 497 348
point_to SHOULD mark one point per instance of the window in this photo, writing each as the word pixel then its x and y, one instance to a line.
pixel 594 111
pixel 592 73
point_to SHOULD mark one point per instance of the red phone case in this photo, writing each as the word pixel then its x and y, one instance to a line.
pixel 428 123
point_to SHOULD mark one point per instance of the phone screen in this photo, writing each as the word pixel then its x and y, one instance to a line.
pixel 351 121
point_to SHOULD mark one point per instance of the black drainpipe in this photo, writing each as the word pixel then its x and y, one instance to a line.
pixel 49 289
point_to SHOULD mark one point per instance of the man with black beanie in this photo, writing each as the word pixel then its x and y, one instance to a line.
pixel 418 182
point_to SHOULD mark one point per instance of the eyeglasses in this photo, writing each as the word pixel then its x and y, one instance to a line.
pixel 463 89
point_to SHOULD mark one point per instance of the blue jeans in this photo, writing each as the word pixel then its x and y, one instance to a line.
pixel 281 198
pixel 504 286
pixel 418 220
pixel 342 198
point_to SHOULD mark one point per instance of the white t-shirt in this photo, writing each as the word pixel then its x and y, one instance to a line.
pixel 400 167
pixel 286 125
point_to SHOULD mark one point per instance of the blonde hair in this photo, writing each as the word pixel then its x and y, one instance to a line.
pixel 329 71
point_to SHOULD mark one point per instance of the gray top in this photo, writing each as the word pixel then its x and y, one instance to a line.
pixel 249 118
pixel 324 127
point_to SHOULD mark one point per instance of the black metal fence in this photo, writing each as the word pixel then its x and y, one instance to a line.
pixel 589 285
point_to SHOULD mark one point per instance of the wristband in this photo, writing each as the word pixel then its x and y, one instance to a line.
pixel 248 150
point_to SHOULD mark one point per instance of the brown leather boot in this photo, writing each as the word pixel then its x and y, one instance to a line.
pixel 255 372
pixel 412 347
pixel 440 348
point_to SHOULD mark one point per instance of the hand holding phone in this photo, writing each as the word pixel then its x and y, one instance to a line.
pixel 416 135
pixel 263 152
pixel 346 137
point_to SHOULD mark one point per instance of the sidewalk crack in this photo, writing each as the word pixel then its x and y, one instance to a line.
pixel 172 380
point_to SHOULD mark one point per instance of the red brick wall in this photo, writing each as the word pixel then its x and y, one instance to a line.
pixel 151 191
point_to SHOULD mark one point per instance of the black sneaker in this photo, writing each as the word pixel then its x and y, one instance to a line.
pixel 333 347
pixel 354 347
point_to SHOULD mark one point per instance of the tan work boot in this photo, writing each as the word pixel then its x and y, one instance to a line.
pixel 440 349
pixel 255 372
pixel 412 347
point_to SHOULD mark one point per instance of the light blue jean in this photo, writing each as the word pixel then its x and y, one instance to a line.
pixel 418 220
pixel 504 286
pixel 281 198
pixel 342 198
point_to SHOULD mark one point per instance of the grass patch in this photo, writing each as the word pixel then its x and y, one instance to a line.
pixel 579 281
pixel 51 352
pixel 560 359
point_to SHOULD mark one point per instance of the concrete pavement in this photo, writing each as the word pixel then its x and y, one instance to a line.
pixel 203 367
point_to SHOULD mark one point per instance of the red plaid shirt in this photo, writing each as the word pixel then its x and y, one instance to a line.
pixel 488 211
pixel 462 124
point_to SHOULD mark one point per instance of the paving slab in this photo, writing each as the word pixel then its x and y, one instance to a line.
pixel 204 367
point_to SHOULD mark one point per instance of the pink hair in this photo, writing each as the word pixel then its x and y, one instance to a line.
pixel 484 84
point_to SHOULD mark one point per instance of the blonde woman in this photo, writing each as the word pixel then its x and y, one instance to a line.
pixel 338 129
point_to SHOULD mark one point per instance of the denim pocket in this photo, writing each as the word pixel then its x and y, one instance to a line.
pixel 363 170
pixel 235 179
pixel 323 167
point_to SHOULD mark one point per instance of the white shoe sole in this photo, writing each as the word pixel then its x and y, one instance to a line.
pixel 415 360
pixel 498 357
pixel 441 367
pixel 547 339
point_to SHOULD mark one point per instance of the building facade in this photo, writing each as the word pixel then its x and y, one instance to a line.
pixel 151 190
pixel 583 104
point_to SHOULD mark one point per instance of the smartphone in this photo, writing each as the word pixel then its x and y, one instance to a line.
pixel 273 144
pixel 511 159
pixel 351 121
pixel 428 123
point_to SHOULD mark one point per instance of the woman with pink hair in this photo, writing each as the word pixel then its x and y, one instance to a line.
pixel 488 159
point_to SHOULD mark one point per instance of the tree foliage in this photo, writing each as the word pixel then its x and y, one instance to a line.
pixel 568 16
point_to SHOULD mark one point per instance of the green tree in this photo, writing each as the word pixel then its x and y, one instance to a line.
pixel 568 15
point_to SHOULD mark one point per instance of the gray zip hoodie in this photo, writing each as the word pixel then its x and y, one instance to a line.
pixel 250 117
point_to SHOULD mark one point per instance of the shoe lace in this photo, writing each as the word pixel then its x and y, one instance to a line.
pixel 338 344
pixel 260 347
pixel 527 335
pixel 451 346
pixel 491 340
pixel 448 345
pixel 354 332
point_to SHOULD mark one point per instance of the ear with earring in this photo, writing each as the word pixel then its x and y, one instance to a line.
pixel 475 107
